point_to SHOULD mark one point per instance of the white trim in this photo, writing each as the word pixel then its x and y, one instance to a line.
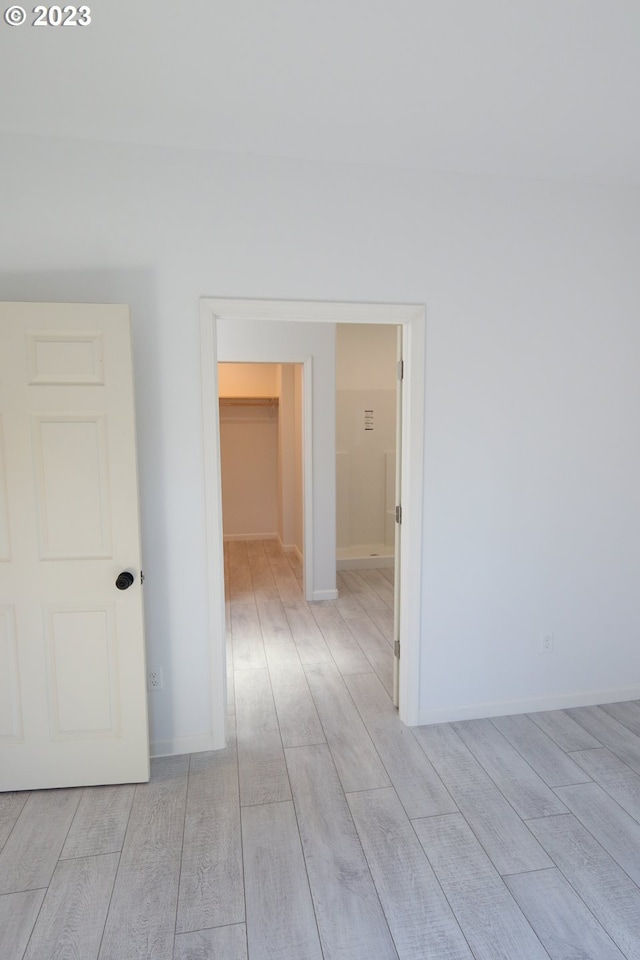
pixel 411 499
pixel 505 708
pixel 325 595
pixel 178 745
pixel 365 563
pixel 214 532
pixel 290 548
pixel 412 318
pixel 314 311
pixel 307 476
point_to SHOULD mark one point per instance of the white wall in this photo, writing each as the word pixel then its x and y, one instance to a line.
pixel 366 356
pixel 532 519
pixel 365 459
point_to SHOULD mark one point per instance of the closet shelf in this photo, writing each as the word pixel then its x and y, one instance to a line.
pixel 248 401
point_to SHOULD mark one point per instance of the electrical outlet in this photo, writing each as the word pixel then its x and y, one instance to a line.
pixel 546 643
pixel 154 679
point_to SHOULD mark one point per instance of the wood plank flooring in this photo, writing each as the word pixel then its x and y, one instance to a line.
pixel 327 829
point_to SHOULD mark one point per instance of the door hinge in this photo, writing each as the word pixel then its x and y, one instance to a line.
pixel 400 369
pixel 396 649
pixel 398 514
pixel 141 577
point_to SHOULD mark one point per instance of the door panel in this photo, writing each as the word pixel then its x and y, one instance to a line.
pixel 65 358
pixel 72 666
pixel 82 642
pixel 72 487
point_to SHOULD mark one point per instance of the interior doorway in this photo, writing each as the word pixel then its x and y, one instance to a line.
pixel 258 328
pixel 366 444
pixel 261 454
pixel 368 469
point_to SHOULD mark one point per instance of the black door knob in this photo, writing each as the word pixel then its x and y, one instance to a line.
pixel 124 581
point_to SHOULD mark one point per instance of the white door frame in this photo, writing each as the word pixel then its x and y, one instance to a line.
pixel 413 321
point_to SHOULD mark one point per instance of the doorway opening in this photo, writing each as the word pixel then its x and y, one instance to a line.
pixel 368 463
pixel 366 444
pixel 304 331
pixel 261 453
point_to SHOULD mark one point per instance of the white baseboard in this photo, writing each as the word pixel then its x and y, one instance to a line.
pixel 291 548
pixel 250 536
pixel 325 595
pixel 364 563
pixel 504 708
pixel 178 745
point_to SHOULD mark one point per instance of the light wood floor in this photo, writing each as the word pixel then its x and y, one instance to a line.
pixel 328 830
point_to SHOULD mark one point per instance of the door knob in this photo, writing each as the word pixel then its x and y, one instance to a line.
pixel 124 581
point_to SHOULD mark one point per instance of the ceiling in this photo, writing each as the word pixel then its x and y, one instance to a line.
pixel 534 88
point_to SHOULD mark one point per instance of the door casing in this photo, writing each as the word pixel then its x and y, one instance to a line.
pixel 412 318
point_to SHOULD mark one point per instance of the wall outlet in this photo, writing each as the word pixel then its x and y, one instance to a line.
pixel 154 679
pixel 546 643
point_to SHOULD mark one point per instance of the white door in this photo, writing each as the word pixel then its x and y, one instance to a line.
pixel 397 572
pixel 73 705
